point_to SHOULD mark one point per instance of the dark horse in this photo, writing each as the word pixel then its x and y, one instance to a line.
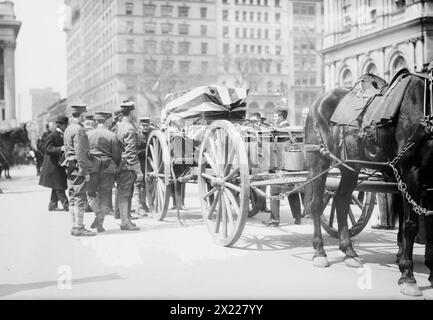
pixel 8 140
pixel 415 168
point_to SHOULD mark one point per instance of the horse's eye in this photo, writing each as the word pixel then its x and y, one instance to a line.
pixel 375 85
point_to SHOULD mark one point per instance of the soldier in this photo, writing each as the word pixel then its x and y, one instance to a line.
pixel 129 169
pixel 105 148
pixel 89 123
pixel 280 121
pixel 113 128
pixel 77 163
pixel 145 128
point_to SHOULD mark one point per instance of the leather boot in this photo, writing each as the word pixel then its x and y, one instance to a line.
pixel 82 232
pixel 126 224
pixel 129 227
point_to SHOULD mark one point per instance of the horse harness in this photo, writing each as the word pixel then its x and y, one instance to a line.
pixel 424 131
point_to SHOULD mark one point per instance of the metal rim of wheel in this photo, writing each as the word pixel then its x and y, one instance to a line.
pixel 157 175
pixel 223 179
pixel 357 219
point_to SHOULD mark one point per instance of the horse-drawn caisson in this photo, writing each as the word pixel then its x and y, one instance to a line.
pixel 378 137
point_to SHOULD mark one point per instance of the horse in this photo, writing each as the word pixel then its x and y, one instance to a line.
pixel 405 142
pixel 8 140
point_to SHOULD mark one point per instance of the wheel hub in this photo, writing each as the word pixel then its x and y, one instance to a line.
pixel 218 183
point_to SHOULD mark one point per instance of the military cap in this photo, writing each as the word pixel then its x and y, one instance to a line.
pixel 127 105
pixel 62 120
pixel 102 115
pixel 90 117
pixel 79 108
pixel 144 119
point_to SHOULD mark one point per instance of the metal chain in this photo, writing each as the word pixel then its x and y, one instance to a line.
pixel 278 197
pixel 402 187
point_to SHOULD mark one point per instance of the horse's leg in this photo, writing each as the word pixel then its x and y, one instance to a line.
pixel 342 200
pixel 317 165
pixel 407 281
pixel 8 174
pixel 428 221
pixel 397 208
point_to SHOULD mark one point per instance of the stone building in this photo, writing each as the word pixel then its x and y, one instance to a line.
pixel 376 36
pixel 143 49
pixel 9 29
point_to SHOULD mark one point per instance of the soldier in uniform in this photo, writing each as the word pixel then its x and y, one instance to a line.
pixel 104 147
pixel 89 123
pixel 129 169
pixel 77 163
pixel 113 128
pixel 145 128
pixel 280 121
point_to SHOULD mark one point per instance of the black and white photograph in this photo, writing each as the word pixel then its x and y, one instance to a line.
pixel 216 150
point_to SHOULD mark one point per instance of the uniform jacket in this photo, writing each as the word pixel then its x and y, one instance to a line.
pixel 77 146
pixel 104 145
pixel 52 174
pixel 127 135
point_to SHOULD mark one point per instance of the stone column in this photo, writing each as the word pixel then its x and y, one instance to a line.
pixel 419 54
pixel 327 77
pixel 9 80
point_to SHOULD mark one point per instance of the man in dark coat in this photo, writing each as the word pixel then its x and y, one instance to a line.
pixel 53 175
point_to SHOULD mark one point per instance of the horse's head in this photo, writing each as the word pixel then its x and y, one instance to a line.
pixel 19 135
pixel 371 83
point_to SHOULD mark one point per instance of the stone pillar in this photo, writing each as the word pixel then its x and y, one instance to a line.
pixel 9 80
pixel 419 54
pixel 327 78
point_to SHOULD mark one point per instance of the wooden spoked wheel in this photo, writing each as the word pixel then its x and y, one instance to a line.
pixel 361 208
pixel 223 180
pixel 157 175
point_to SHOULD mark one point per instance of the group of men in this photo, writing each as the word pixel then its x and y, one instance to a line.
pixel 91 156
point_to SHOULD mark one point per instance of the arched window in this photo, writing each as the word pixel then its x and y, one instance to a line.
pixel 398 64
pixel 371 68
pixel 346 78
pixel 253 107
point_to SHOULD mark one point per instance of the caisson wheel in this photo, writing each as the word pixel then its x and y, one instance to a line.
pixel 157 175
pixel 223 179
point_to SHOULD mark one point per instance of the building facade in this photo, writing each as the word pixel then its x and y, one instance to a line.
pixel 9 29
pixel 41 99
pixel 375 36
pixel 143 49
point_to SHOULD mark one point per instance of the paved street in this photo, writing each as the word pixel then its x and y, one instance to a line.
pixel 167 261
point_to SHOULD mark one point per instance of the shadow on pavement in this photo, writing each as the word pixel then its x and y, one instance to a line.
pixel 9 289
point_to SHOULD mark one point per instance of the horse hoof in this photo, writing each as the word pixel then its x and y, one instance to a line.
pixel 353 262
pixel 320 262
pixel 410 289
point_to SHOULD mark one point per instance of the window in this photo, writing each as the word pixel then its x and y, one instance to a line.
pixel 270 86
pixel 149 10
pixel 346 78
pixel 225 1
pixel 259 49
pixel 259 16
pixel 129 26
pixel 277 17
pixel 150 65
pixel 203 13
pixel 238 48
pixel 244 15
pixel 183 11
pixel 166 10
pixel 266 34
pixel 166 28
pixel 252 48
pixel 278 34
pixel 130 45
pixel 184 66
pixel 278 50
pixel 266 16
pixel 251 32
pixel 277 3
pixel 251 16
pixel 399 4
pixel 225 15
pixel 203 30
pixel 204 66
pixel 130 65
pixel 225 32
pixel 149 46
pixel 226 48
pixel 259 33
pixel 149 27
pixel 237 32
pixel 167 47
pixel 184 47
pixel 398 64
pixel 245 48
pixel 204 48
pixel 279 67
pixel 183 29
pixel 347 21
pixel 237 15
pixel 167 65
pixel 371 68
pixel 244 32
pixel 129 8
